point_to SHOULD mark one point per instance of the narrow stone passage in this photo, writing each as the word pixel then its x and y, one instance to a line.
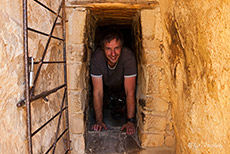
pixel 112 140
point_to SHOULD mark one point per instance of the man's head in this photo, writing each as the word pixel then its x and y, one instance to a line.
pixel 112 42
pixel 110 34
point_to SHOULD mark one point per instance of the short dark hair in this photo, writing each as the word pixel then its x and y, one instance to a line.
pixel 110 34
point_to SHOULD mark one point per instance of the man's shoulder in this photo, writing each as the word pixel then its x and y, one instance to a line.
pixel 125 48
pixel 127 52
pixel 129 62
pixel 98 53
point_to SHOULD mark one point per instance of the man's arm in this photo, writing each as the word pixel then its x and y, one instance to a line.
pixel 98 102
pixel 130 86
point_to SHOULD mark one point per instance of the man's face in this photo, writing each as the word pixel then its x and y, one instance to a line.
pixel 112 51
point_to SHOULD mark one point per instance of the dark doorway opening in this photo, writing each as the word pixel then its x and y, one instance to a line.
pixel 126 31
pixel 128 36
pixel 112 140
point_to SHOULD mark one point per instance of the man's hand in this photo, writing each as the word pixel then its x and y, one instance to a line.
pixel 129 127
pixel 98 126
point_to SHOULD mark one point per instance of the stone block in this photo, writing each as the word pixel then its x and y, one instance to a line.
pixel 76 75
pixel 151 24
pixel 75 52
pixel 151 74
pixel 76 123
pixel 164 84
pixel 76 101
pixel 141 81
pixel 154 80
pixel 148 22
pixel 153 123
pixel 170 141
pixel 170 126
pixel 151 140
pixel 156 104
pixel 158 25
pixel 77 144
pixel 75 27
pixel 151 52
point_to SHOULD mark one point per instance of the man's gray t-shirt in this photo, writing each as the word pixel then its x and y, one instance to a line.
pixel 114 79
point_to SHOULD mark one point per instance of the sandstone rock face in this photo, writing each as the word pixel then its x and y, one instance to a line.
pixel 12 119
pixel 197 37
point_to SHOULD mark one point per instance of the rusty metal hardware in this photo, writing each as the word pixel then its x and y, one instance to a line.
pixel 30 83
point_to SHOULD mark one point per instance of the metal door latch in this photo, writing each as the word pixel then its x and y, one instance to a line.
pixel 31 84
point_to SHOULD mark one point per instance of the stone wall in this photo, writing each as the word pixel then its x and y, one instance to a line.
pixel 78 76
pixel 197 40
pixel 154 105
pixel 12 119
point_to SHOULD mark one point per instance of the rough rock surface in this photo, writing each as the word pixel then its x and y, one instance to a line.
pixel 197 41
pixel 12 120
